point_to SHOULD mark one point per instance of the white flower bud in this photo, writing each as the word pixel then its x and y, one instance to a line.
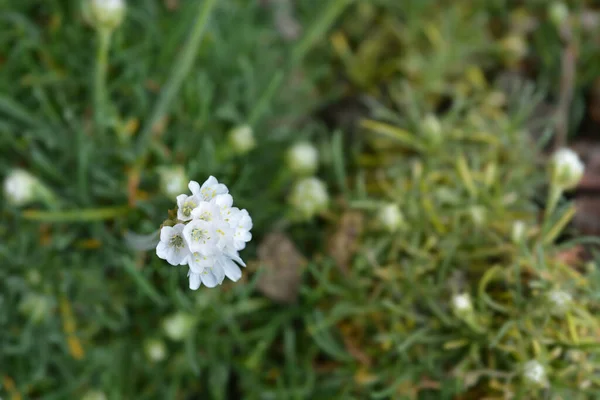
pixel 518 232
pixel 36 307
pixel 432 129
pixel 534 373
pixel 558 13
pixel 303 158
pixel 309 197
pixel 155 349
pixel 560 301
pixel 173 180
pixel 178 326
pixel 567 168
pixel 461 304
pixel 478 215
pixel 390 217
pixel 514 47
pixel 107 14
pixel 94 395
pixel 20 187
pixel 242 139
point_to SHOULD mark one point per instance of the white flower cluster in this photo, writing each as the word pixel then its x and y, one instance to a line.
pixel 208 235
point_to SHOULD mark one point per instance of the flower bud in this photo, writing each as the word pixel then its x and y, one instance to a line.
pixel 567 168
pixel 558 13
pixel 560 301
pixel 303 158
pixel 107 14
pixel 155 350
pixel 534 373
pixel 390 217
pixel 309 197
pixel 478 215
pixel 518 232
pixel 178 326
pixel 36 307
pixel 514 48
pixel 19 187
pixel 94 395
pixel 242 139
pixel 432 129
pixel 173 180
pixel 461 304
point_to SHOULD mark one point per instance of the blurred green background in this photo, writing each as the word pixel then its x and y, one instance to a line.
pixel 432 121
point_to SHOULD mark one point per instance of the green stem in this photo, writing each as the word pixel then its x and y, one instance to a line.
pixel 554 194
pixel 100 80
pixel 83 215
pixel 181 67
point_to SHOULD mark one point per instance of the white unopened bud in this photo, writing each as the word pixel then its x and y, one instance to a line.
pixel 560 301
pixel 567 168
pixel 173 180
pixel 178 326
pixel 514 47
pixel 309 197
pixel 36 307
pixel 242 139
pixel 478 215
pixel 22 188
pixel 94 395
pixel 461 304
pixel 558 12
pixel 432 129
pixel 518 232
pixel 303 158
pixel 390 217
pixel 534 373
pixel 155 349
pixel 107 14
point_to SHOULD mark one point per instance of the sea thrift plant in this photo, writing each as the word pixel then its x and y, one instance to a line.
pixel 206 234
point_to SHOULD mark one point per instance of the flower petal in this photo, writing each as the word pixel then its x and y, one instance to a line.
pixel 194 187
pixel 166 233
pixel 232 271
pixel 209 279
pixel 195 280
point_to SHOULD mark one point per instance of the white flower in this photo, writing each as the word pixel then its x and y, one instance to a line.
pixel 201 236
pixel 242 233
pixel 534 373
pixel 303 158
pixel 241 139
pixel 172 180
pixel 518 232
pixel 560 301
pixel 178 326
pixel 172 246
pixel 309 197
pixel 462 303
pixel 155 349
pixel 567 168
pixel 107 14
pixel 209 189
pixel 185 205
pixel 390 217
pixel 20 187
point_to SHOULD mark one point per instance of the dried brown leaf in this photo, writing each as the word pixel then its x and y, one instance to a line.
pixel 344 241
pixel 282 265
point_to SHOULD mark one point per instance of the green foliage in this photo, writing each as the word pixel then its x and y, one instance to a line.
pixel 83 312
